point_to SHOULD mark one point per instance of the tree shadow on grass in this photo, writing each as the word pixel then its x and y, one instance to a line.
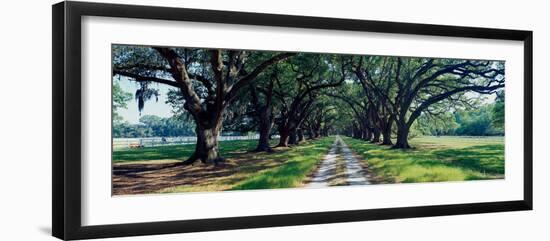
pixel 434 162
pixel 242 164
pixel 179 152
pixel 483 158
pixel 147 178
pixel 291 173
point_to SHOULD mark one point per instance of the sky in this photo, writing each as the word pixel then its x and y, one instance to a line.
pixel 152 107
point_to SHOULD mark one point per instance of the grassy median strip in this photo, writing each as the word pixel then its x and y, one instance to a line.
pixel 435 159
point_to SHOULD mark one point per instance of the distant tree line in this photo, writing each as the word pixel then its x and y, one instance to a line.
pixel 486 120
pixel 153 126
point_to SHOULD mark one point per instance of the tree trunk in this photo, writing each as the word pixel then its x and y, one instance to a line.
pixel 310 134
pixel 402 136
pixel 368 134
pixel 386 130
pixel 206 148
pixel 284 137
pixel 265 130
pixel 375 135
pixel 316 133
pixel 356 133
pixel 300 133
pixel 292 140
pixel 386 135
pixel 364 134
pixel 367 131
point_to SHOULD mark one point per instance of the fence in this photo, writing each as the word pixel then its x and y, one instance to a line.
pixel 121 143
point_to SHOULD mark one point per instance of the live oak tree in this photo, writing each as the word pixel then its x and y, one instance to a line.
pixel 369 98
pixel 320 121
pixel 377 76
pixel 253 110
pixel 420 83
pixel 234 90
pixel 426 82
pixel 297 85
pixel 354 99
pixel 208 80
pixel 262 101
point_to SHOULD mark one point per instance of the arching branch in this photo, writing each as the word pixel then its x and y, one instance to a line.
pixel 140 78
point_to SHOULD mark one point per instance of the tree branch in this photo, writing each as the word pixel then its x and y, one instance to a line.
pixel 180 74
pixel 434 99
pixel 233 90
pixel 140 78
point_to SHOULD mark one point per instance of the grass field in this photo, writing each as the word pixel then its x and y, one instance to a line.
pixel 301 161
pixel 178 152
pixel 284 168
pixel 434 159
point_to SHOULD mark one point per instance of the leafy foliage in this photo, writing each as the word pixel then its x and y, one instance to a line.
pixel 498 111
pixel 480 121
pixel 120 100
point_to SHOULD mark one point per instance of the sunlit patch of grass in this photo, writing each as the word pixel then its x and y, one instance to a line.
pixel 195 188
pixel 286 167
pixel 301 161
pixel 435 159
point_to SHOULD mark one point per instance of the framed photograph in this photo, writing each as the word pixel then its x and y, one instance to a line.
pixel 171 120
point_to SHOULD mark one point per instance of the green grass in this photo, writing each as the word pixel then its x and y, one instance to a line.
pixel 284 168
pixel 289 168
pixel 432 159
pixel 178 152
pixel 435 159
pixel 301 160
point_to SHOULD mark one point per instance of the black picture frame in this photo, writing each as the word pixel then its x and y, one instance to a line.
pixel 66 198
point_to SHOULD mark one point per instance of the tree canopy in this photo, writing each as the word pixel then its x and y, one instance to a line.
pixel 382 99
